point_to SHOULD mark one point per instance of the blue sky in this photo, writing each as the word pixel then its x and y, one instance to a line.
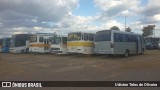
pixel 86 8
pixel 63 16
pixel 144 2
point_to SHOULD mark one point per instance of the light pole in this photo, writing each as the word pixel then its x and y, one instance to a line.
pixel 125 22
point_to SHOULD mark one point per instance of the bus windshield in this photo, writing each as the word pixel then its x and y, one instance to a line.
pixel 20 41
pixel 103 36
pixel 56 40
pixel 33 39
pixel 74 36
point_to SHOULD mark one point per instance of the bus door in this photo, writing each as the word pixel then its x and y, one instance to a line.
pixel 46 43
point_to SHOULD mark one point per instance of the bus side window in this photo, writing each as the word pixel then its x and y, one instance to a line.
pixel 132 38
pixel 124 39
pixel 135 38
pixel 82 36
pixel 50 39
pixel 64 40
pixel 91 37
pixel 85 37
pixel 40 39
pixel 116 37
pixel 129 38
pixel 47 41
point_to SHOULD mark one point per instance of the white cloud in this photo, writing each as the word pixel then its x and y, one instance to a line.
pixel 37 28
pixel 111 23
pixel 25 16
pixel 156 17
pixel 18 11
pixel 151 12
pixel 152 8
pixel 115 7
pixel 33 14
pixel 17 32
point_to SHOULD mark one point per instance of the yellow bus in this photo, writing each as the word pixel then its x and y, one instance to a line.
pixel 80 42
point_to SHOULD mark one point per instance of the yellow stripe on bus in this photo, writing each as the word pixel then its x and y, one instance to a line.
pixel 39 45
pixel 86 44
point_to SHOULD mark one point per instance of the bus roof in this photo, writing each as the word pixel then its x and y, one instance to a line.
pixel 122 32
pixel 17 35
pixel 62 36
pixel 81 32
pixel 43 34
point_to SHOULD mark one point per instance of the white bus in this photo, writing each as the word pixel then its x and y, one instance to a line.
pixel 113 42
pixel 58 44
pixel 19 43
pixel 80 42
pixel 39 43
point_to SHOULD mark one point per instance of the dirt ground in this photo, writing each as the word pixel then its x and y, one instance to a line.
pixel 39 67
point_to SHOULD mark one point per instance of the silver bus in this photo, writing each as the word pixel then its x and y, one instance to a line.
pixel 114 42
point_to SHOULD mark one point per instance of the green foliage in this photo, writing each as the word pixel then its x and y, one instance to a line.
pixel 148 30
pixel 128 29
pixel 114 28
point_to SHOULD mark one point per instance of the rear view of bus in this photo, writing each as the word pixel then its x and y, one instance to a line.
pixel 39 43
pixel 115 42
pixel 103 43
pixel 80 42
pixel 59 44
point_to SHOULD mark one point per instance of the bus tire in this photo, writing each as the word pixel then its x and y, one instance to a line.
pixel 27 50
pixel 126 53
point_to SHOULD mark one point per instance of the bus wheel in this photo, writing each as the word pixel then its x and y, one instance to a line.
pixel 126 53
pixel 27 50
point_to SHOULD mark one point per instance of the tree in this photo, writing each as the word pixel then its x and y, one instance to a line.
pixel 114 28
pixel 148 30
pixel 128 29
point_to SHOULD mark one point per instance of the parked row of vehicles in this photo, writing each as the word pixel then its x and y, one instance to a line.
pixel 111 42
pixel 152 42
